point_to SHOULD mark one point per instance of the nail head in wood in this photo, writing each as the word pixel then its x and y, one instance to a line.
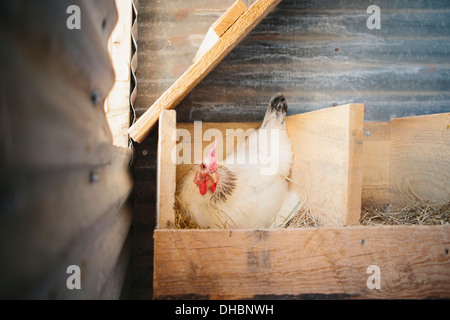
pixel 95 97
pixel 93 177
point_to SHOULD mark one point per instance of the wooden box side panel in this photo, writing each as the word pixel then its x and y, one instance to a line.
pixel 413 262
pixel 420 158
pixel 405 159
pixel 327 169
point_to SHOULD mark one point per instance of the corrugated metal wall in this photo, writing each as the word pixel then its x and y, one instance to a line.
pixel 319 53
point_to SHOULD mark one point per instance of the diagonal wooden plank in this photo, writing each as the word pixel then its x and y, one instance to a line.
pixel 228 18
pixel 173 96
pixel 219 27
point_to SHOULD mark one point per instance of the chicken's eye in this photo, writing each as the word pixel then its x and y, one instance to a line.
pixel 203 166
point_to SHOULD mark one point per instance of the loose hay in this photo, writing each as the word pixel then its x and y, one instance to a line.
pixel 302 219
pixel 416 212
pixel 183 218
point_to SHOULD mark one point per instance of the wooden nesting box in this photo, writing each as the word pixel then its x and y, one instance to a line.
pixel 339 162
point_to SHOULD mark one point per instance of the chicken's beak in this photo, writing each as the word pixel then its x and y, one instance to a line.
pixel 213 176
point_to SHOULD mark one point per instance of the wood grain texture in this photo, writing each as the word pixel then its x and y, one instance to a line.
pixel 420 158
pixel 219 27
pixel 229 17
pixel 376 164
pixel 327 167
pixel 235 264
pixel 49 212
pixel 166 175
pixel 114 287
pixel 173 96
pixel 97 252
pixel 63 183
pixel 53 88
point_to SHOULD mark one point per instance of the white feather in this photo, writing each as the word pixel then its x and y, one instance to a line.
pixel 257 198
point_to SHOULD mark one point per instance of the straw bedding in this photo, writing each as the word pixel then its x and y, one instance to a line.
pixel 416 212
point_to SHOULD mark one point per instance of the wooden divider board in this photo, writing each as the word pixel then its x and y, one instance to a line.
pixel 420 158
pixel 302 263
pixel 327 167
pixel 376 164
pixel 405 158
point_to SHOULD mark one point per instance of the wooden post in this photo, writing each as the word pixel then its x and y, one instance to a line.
pixel 327 169
pixel 166 175
pixel 219 27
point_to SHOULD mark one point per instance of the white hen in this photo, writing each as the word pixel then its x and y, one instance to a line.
pixel 245 191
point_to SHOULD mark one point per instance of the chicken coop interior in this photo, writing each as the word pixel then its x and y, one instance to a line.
pixel 94 95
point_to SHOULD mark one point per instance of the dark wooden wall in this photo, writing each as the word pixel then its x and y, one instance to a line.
pixel 319 53
pixel 63 184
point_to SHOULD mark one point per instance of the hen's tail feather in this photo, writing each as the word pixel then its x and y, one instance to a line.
pixel 278 103
pixel 277 109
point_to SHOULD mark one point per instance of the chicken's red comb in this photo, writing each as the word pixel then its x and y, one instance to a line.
pixel 212 157
pixel 212 152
